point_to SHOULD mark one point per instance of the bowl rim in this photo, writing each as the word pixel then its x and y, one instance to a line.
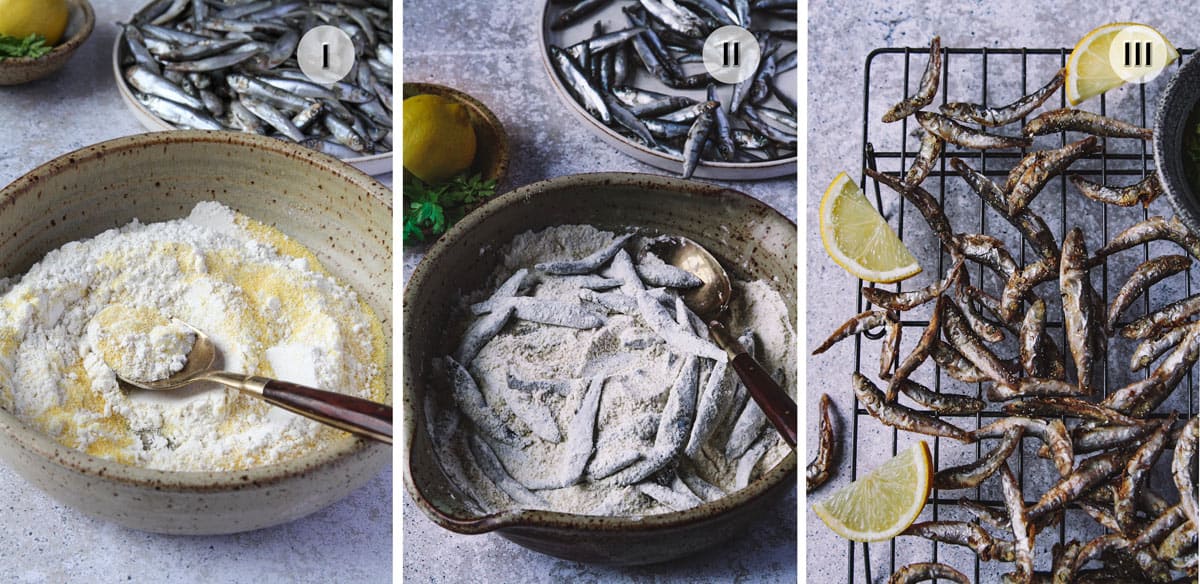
pixel 1166 155
pixel 21 435
pixel 69 45
pixel 519 518
pixel 154 123
pixel 662 161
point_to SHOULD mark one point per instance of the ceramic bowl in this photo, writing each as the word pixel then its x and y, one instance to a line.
pixel 79 28
pixel 1171 125
pixel 339 213
pixel 372 164
pixel 750 238
pixel 491 144
pixel 611 14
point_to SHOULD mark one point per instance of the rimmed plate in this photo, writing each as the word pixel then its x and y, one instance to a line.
pixel 615 19
pixel 374 164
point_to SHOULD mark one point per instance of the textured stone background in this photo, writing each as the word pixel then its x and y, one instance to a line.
pixel 489 50
pixel 840 38
pixel 42 541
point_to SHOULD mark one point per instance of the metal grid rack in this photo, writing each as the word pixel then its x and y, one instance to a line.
pixel 1109 162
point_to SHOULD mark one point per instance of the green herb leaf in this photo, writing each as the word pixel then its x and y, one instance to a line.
pixel 430 210
pixel 32 46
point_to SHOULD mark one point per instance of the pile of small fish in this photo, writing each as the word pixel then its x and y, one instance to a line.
pixel 707 414
pixel 231 65
pixel 659 37
pixel 1149 539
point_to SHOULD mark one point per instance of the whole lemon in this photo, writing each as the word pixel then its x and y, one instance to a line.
pixel 439 140
pixel 21 18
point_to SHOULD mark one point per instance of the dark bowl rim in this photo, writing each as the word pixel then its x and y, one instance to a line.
pixel 29 439
pixel 1187 203
pixel 775 478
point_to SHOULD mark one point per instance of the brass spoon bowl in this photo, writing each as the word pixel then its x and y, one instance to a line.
pixel 710 301
pixel 352 414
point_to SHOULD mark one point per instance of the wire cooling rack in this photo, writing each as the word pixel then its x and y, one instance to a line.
pixel 997 76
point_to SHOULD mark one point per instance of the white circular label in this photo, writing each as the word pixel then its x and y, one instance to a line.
pixel 326 54
pixel 1138 53
pixel 731 54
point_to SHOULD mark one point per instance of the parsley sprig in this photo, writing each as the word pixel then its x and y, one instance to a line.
pixel 32 46
pixel 431 209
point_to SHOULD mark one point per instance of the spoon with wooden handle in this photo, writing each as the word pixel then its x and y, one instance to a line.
pixel 710 301
pixel 352 414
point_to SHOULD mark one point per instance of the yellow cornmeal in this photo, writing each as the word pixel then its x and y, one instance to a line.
pixel 245 284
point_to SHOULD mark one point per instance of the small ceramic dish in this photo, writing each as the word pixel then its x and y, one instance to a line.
pixel 750 238
pixel 491 144
pixel 716 169
pixel 1178 120
pixel 79 28
pixel 339 213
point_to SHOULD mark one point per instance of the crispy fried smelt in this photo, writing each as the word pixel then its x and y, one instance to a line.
pixel 927 155
pixel 1068 406
pixel 1183 464
pixel 1169 316
pixel 925 203
pixel 958 134
pixel 891 346
pixel 1021 284
pixel 1094 549
pixel 1022 530
pixel 1152 229
pixel 962 338
pixel 1064 560
pixel 1053 435
pixel 968 296
pixel 901 417
pixel 972 474
pixel 1090 473
pixel 942 403
pixel 1074 120
pixel 992 516
pixel 1079 318
pixel 987 250
pixel 1136 469
pixel 969 535
pixel 919 353
pixel 924 571
pixel 865 321
pixel 956 365
pixel 1033 387
pixel 925 90
pixel 1046 165
pixel 1147 274
pixel 1087 439
pixel 1032 227
pixel 1180 547
pixel 819 469
pixel 903 301
pixel 1153 348
pixel 1144 191
pixel 1007 114
pixel 1141 397
pixel 1033 327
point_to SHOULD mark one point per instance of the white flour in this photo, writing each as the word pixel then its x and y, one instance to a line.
pixel 639 369
pixel 267 304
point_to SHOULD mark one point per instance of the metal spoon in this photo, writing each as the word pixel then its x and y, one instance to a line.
pixel 710 301
pixel 352 414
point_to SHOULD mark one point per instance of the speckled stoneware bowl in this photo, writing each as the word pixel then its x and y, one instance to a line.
pixel 491 143
pixel 79 28
pixel 751 239
pixel 339 213
pixel 1181 97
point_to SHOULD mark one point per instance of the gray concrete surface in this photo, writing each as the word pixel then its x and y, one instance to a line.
pixel 489 50
pixel 42 541
pixel 840 39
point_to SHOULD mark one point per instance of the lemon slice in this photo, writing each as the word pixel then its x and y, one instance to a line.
pixel 858 238
pixel 884 502
pixel 1089 69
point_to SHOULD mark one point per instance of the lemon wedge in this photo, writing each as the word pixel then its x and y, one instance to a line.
pixel 859 239
pixel 884 502
pixel 1089 68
